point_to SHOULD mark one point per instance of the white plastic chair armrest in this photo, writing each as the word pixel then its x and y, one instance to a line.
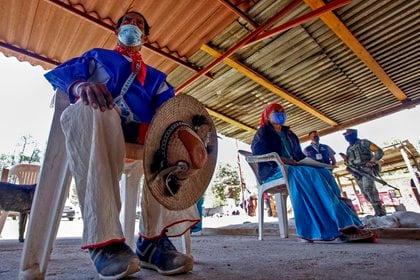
pixel 273 156
pixel 266 158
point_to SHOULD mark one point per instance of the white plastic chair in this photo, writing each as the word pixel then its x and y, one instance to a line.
pixel 52 191
pixel 279 187
pixel 24 174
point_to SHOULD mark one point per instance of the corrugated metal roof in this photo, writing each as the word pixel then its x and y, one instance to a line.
pixel 309 61
pixel 312 63
pixel 47 29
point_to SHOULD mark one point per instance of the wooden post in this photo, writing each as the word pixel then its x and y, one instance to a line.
pixel 4 175
pixel 339 183
pixel 410 168
pixel 358 200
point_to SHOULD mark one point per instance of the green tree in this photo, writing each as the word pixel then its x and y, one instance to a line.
pixel 73 194
pixel 226 185
pixel 5 161
pixel 27 152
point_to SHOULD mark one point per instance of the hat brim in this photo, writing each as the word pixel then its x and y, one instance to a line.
pixel 347 132
pixel 179 108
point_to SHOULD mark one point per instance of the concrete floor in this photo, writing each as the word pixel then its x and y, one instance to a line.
pixel 224 257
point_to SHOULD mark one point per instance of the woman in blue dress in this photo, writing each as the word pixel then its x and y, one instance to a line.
pixel 320 214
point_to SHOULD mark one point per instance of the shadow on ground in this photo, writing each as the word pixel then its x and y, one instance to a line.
pixel 228 257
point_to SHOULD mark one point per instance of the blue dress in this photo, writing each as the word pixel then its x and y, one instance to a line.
pixel 320 214
pixel 199 226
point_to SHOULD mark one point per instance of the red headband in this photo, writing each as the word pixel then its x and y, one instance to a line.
pixel 267 111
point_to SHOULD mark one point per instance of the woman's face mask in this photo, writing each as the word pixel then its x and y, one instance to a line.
pixel 130 35
pixel 279 118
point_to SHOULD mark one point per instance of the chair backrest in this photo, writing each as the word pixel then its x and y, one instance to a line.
pixel 253 165
pixel 24 174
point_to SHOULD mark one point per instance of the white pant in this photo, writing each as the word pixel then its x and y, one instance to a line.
pixel 95 150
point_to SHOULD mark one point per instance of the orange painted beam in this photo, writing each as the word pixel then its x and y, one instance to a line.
pixel 263 81
pixel 341 30
pixel 409 104
pixel 231 121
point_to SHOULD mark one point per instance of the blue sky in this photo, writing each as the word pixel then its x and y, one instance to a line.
pixel 25 110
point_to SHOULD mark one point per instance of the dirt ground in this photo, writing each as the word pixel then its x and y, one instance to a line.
pixel 226 257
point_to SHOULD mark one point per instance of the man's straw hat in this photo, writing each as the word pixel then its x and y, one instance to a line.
pixel 180 152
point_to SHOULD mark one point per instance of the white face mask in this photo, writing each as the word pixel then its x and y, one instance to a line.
pixel 130 35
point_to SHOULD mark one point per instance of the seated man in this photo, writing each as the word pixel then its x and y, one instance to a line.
pixel 114 96
pixel 319 152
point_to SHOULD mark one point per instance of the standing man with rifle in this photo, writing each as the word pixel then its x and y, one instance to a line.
pixel 362 159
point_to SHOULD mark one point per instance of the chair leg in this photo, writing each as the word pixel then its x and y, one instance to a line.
pixel 48 203
pixel 3 217
pixel 281 200
pixel 129 198
pixel 44 220
pixel 260 215
pixel 186 243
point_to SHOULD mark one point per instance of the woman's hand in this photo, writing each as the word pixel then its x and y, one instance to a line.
pixel 95 95
pixel 289 161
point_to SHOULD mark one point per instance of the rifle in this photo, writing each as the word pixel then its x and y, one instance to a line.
pixel 357 172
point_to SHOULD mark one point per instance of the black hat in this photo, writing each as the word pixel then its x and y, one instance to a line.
pixel 350 131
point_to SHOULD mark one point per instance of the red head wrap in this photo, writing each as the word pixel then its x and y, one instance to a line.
pixel 267 111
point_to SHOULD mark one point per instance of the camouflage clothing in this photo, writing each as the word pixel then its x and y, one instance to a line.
pixel 359 154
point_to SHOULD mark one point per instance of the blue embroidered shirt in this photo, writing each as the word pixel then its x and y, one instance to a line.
pixel 113 69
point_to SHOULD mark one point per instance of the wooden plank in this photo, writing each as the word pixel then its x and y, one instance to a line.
pixel 231 121
pixel 258 78
pixel 405 105
pixel 341 30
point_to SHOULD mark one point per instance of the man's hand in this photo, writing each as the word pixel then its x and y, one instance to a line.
pixel 95 95
pixel 371 164
pixel 345 157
